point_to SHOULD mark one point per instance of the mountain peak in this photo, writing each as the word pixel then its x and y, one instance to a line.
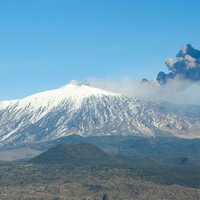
pixel 73 90
pixel 84 90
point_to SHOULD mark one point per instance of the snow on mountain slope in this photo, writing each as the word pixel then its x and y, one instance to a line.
pixel 85 110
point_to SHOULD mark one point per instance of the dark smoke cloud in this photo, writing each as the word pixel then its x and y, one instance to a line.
pixel 187 66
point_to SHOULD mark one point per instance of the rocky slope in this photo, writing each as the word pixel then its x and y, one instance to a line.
pixel 85 110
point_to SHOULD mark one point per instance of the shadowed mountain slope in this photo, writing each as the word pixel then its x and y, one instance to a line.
pixel 74 154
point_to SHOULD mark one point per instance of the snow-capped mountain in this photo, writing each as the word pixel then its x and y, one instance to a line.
pixel 86 110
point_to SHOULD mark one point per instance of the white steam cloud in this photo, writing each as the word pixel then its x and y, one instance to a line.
pixel 175 91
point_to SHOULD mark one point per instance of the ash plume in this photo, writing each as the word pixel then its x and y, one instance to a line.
pixel 181 82
pixel 187 66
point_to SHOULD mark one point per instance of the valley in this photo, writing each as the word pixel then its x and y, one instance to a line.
pixel 109 167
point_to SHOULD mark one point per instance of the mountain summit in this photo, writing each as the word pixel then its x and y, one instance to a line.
pixel 86 110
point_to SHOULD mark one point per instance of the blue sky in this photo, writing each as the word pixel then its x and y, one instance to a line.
pixel 46 43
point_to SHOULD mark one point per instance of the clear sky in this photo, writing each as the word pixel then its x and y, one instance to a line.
pixel 46 43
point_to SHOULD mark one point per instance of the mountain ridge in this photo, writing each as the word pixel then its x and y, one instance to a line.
pixel 86 110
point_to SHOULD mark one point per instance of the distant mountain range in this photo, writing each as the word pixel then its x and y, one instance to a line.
pixel 86 110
